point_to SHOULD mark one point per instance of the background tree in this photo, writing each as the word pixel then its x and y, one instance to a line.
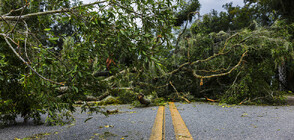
pixel 280 7
pixel 186 11
pixel 211 33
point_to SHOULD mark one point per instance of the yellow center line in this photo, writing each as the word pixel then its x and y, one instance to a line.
pixel 163 131
pixel 158 126
pixel 181 130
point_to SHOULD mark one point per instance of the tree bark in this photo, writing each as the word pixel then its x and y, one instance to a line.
pixel 142 100
pixel 282 76
pixel 64 10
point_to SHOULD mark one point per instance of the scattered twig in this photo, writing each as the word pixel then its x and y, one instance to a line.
pixel 243 101
pixel 211 100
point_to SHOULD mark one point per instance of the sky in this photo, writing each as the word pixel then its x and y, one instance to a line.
pixel 206 5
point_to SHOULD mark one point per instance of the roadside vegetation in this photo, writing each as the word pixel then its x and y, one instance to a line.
pixel 56 54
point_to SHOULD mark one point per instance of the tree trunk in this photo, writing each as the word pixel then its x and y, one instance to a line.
pixel 282 76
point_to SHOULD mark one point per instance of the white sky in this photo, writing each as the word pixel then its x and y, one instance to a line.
pixel 206 5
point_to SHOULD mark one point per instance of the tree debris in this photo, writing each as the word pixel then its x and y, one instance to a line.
pixel 112 111
pixel 142 100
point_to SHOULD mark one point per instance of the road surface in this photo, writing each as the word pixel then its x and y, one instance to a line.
pixel 203 121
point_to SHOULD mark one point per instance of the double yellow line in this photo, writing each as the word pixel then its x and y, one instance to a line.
pixel 158 130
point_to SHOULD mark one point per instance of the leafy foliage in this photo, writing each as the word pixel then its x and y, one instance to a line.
pixel 254 79
pixel 280 7
pixel 187 11
pixel 49 45
pixel 52 50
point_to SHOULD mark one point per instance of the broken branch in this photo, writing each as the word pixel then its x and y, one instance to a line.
pixel 221 74
pixel 64 10
pixel 178 92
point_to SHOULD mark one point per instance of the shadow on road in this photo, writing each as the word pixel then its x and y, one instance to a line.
pixel 290 100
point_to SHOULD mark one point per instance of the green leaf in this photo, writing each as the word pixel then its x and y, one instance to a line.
pixel 122 32
pixel 50 113
pixel 47 29
pixel 76 89
pixel 144 52
pixel 147 35
pixel 53 38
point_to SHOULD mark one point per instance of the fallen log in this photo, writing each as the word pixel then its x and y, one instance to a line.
pixel 90 98
pixel 112 111
pixel 101 97
pixel 143 100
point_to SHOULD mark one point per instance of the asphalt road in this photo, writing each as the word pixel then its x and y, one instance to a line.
pixel 223 122
pixel 129 123
pixel 204 121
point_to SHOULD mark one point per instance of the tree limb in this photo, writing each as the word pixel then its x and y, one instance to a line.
pixel 64 10
pixel 195 62
pixel 178 92
pixel 25 62
pixel 15 10
pixel 25 43
pixel 221 74
pixel 18 19
pixel 209 58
